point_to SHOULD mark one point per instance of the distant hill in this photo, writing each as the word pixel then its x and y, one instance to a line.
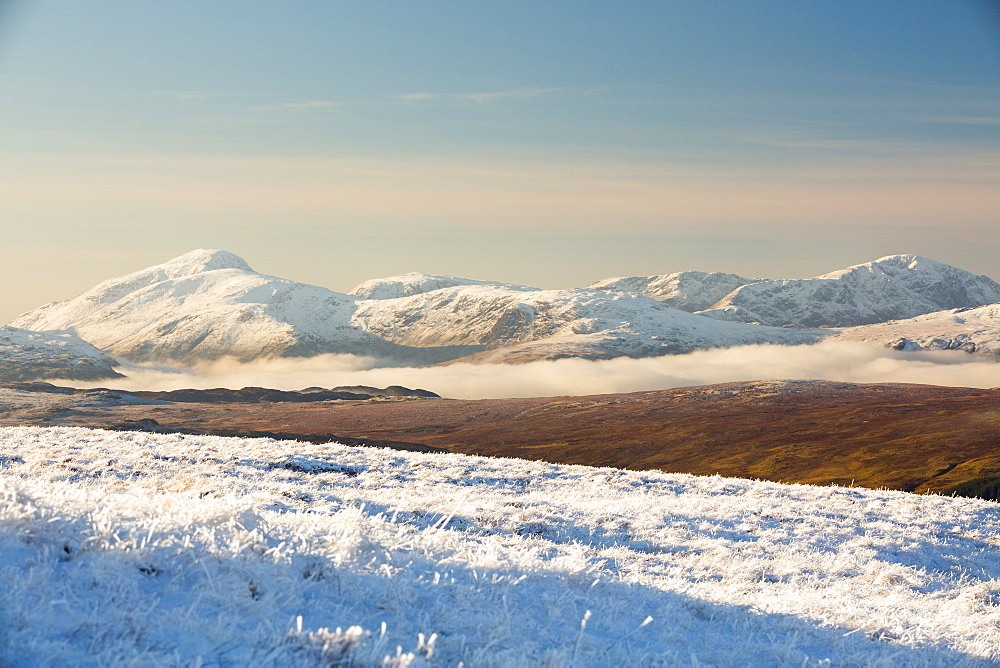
pixel 416 283
pixel 27 355
pixel 687 290
pixel 891 288
pixel 209 304
pixel 970 329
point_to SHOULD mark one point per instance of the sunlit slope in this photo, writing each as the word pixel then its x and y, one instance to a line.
pixel 210 304
pixel 917 438
pixel 137 548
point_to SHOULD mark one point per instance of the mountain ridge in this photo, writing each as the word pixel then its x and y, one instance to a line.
pixel 418 282
pixel 690 291
pixel 208 305
pixel 893 287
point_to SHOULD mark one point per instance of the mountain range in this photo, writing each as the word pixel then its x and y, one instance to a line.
pixel 890 288
pixel 209 304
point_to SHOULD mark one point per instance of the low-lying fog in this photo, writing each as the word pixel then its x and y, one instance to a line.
pixel 842 361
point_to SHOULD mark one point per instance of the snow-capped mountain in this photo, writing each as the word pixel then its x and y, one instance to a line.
pixel 686 290
pixel 893 287
pixel 26 355
pixel 417 282
pixel 520 325
pixel 973 330
pixel 208 304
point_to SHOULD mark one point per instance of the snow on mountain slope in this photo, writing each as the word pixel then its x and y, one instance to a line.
pixel 26 355
pixel 98 298
pixel 209 304
pixel 893 287
pixel 417 282
pixel 206 305
pixel 137 548
pixel 687 290
pixel 974 330
pixel 554 323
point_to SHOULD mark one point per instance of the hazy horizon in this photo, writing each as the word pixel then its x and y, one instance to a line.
pixel 547 144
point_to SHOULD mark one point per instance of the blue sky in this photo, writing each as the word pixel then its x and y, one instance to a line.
pixel 546 143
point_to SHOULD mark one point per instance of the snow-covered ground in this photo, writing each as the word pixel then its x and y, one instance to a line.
pixel 124 547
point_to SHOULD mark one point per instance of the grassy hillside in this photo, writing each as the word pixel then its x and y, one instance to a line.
pixel 907 437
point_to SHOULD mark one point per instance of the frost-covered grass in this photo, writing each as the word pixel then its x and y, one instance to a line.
pixel 120 547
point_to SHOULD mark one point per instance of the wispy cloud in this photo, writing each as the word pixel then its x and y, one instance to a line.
pixel 910 188
pixel 200 95
pixel 961 120
pixel 311 104
pixel 478 98
pixel 189 95
pixel 857 145
pixel 296 106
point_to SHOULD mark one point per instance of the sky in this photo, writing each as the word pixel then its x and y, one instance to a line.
pixel 540 143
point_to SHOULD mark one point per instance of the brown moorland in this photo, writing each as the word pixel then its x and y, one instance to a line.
pixel 917 438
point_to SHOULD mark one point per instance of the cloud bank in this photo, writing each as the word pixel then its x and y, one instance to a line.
pixel 840 361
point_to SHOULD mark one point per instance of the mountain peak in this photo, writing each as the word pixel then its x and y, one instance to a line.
pixel 909 261
pixel 894 287
pixel 894 264
pixel 419 282
pixel 201 260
